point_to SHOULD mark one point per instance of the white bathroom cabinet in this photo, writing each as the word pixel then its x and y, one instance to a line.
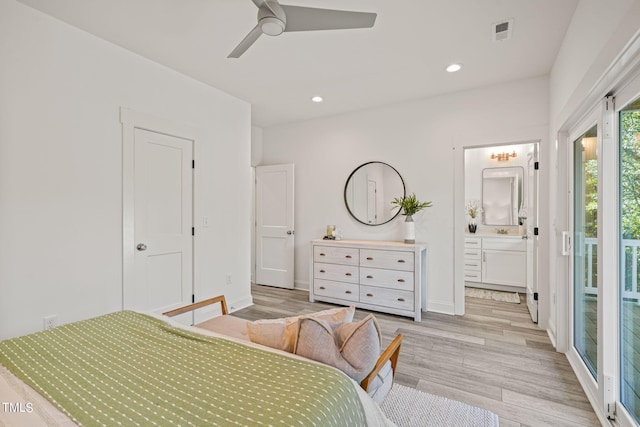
pixel 496 260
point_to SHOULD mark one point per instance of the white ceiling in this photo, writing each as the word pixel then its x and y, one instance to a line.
pixel 401 58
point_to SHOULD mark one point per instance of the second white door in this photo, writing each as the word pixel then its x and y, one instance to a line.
pixel 275 225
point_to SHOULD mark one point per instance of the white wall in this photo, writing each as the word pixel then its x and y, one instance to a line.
pixel 61 171
pixel 599 31
pixel 417 138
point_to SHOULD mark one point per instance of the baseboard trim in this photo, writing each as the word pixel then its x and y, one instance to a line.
pixel 441 307
pixel 551 332
pixel 239 303
pixel 301 285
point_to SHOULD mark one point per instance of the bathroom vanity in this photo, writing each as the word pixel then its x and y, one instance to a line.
pixel 495 261
pixel 383 276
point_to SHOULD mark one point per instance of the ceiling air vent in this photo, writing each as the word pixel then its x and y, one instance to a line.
pixel 502 30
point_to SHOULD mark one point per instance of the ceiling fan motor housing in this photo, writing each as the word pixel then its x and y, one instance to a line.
pixel 272 19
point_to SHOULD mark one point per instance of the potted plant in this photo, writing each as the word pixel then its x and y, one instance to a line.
pixel 472 207
pixel 410 206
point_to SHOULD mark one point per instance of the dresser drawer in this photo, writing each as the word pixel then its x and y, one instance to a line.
pixel 385 297
pixel 336 272
pixel 472 276
pixel 329 254
pixel 472 242
pixel 472 265
pixel 395 279
pixel 345 291
pixel 395 260
pixel 472 253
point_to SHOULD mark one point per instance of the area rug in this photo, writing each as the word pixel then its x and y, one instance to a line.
pixel 408 407
pixel 493 295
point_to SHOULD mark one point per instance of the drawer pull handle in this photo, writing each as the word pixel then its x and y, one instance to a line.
pixel 369 295
pixel 369 277
pixel 322 271
pixel 348 256
pixel 322 287
pixel 347 292
pixel 401 299
pixel 369 258
pixel 321 254
pixel 347 274
pixel 400 260
pixel 401 280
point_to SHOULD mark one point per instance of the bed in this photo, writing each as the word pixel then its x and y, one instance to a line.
pixel 130 368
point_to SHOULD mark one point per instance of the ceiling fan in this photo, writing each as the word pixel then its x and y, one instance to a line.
pixel 274 19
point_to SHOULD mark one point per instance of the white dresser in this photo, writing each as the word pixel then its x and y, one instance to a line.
pixel 376 275
pixel 495 260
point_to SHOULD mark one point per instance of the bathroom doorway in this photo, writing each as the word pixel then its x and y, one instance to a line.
pixel 500 254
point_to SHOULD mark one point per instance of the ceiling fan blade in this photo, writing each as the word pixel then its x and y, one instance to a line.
pixel 246 42
pixel 311 19
pixel 260 3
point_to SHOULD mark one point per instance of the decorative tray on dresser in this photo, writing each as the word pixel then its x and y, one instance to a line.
pixel 375 275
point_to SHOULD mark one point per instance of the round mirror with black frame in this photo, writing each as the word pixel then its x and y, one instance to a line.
pixel 369 191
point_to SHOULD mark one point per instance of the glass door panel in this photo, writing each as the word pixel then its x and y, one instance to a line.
pixel 585 238
pixel 629 184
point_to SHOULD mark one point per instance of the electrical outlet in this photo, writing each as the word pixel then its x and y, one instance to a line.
pixel 50 322
pixel 229 281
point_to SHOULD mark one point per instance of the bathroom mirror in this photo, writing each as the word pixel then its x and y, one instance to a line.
pixel 369 191
pixel 501 195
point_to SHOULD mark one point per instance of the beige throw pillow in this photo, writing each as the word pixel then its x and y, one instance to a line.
pixel 281 333
pixel 352 347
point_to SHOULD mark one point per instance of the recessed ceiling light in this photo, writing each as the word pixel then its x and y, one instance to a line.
pixel 454 67
pixel 317 99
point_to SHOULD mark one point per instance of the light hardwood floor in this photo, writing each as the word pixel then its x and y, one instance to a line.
pixel 493 357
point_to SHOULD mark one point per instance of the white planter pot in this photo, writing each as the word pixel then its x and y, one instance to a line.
pixel 409 230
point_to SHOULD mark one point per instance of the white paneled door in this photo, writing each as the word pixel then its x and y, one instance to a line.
pixel 530 210
pixel 274 225
pixel 163 242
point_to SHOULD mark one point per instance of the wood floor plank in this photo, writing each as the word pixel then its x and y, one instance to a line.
pixel 505 411
pixel 493 357
pixel 559 410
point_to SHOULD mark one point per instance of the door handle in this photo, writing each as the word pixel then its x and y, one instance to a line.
pixel 290 232
pixel 566 243
pixel 141 247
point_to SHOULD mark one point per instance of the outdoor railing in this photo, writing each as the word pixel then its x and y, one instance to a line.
pixel 630 262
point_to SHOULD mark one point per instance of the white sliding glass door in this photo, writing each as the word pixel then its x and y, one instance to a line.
pixel 604 179
pixel 585 254
pixel 628 122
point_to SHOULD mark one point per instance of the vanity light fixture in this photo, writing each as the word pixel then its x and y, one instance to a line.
pixel 317 99
pixel 453 68
pixel 503 157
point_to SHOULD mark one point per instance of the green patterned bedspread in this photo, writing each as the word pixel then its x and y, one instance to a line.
pixel 127 368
